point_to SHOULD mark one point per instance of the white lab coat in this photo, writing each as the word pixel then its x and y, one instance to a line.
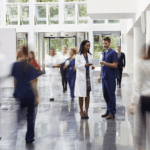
pixel 80 84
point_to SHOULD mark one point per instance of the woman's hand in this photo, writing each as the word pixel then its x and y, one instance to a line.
pixel 74 68
pixel 93 67
pixel 65 67
pixel 88 64
pixel 99 80
pixel 131 110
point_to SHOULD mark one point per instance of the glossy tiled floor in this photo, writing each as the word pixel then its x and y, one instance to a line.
pixel 58 124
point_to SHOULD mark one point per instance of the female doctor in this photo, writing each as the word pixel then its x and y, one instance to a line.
pixel 84 78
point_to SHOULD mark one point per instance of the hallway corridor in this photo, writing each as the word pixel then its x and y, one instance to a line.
pixel 59 127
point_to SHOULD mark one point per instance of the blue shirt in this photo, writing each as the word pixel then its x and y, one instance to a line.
pixel 24 73
pixel 87 61
pixel 70 73
pixel 109 57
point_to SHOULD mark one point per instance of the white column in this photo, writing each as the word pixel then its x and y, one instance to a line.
pixel 148 28
pixel 31 36
pixel 130 54
pixel 139 40
pixel 91 36
pixel 3 13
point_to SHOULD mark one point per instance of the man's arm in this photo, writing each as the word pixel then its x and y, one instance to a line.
pixel 111 65
pixel 124 60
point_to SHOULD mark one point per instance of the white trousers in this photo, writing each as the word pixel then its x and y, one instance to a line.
pixel 53 85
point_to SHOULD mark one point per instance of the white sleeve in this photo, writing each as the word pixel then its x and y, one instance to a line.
pixel 137 83
pixel 78 64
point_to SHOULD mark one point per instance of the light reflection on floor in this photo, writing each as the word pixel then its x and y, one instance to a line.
pixel 58 124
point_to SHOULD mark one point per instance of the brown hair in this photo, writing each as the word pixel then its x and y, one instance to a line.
pixel 31 52
pixel 19 54
pixel 29 60
pixel 74 50
pixel 24 50
pixel 119 47
pixel 108 39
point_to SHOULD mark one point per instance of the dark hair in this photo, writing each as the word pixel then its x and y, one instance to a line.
pixel 31 52
pixel 108 39
pixel 119 47
pixel 51 48
pixel 148 53
pixel 81 50
pixel 24 50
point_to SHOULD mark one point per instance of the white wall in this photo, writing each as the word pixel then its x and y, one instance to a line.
pixel 8 48
pixel 111 6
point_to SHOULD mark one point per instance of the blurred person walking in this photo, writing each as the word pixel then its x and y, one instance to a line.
pixel 109 74
pixel 141 101
pixel 121 65
pixel 63 56
pixel 34 63
pixel 84 77
pixel 71 71
pixel 24 74
pixel 51 62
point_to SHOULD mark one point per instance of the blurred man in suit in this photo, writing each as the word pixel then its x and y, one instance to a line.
pixel 121 65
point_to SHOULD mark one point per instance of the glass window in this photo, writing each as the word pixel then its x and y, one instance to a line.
pixel 11 15
pixel 82 14
pixel 40 15
pixel 17 1
pixel 69 14
pixel 56 44
pixel 113 21
pixel 53 14
pixel 98 43
pixel 75 0
pixel 24 17
pixel 46 0
pixel 98 21
pixel 69 43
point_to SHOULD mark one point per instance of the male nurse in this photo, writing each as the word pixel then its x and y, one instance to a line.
pixel 109 74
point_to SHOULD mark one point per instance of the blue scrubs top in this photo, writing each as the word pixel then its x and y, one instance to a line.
pixel 24 73
pixel 70 73
pixel 87 61
pixel 109 57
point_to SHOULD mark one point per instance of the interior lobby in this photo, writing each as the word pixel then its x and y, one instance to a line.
pixel 43 24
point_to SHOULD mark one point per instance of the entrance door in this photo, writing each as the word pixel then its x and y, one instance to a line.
pixel 57 44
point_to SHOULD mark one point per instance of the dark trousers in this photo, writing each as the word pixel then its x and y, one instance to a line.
pixel 30 117
pixel 120 70
pixel 64 83
pixel 71 82
pixel 109 88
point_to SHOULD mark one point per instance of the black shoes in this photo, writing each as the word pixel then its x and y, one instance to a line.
pixel 119 86
pixel 105 115
pixel 84 117
pixel 30 141
pixel 51 99
pixel 110 117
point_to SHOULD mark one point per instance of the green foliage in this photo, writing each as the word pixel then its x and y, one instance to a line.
pixel 54 11
pixel 98 21
pixel 82 10
pixel 113 21
pixel 41 11
pixel 17 1
pixel 25 11
pixel 47 0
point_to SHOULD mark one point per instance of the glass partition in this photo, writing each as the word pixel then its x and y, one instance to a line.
pixel 24 17
pixel 12 15
pixel 69 14
pixel 40 13
pixel 53 14
pixel 82 14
